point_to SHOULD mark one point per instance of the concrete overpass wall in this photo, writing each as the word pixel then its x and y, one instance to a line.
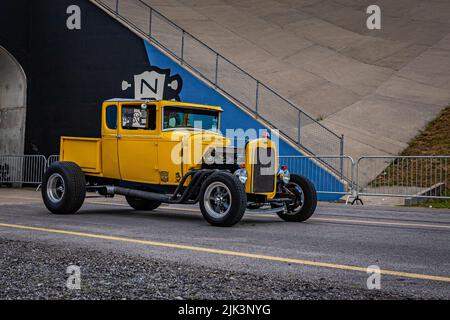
pixel 13 86
pixel 378 87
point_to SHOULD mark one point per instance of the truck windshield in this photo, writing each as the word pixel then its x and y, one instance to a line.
pixel 183 117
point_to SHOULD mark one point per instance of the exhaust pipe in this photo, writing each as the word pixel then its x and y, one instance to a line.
pixel 178 196
pixel 152 196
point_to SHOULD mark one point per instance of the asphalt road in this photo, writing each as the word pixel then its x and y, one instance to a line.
pixel 325 257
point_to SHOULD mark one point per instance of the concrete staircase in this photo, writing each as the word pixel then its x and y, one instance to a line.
pixel 378 87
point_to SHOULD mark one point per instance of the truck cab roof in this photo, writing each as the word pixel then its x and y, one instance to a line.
pixel 168 102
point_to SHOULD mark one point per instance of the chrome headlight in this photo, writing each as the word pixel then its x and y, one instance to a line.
pixel 242 174
pixel 284 175
pixel 209 157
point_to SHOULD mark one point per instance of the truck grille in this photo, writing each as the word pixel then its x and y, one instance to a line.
pixel 264 171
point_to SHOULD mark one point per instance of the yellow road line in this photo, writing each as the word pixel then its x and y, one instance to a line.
pixel 229 253
pixel 393 223
pixel 403 224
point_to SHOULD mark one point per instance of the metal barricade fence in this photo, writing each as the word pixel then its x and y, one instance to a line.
pixel 51 159
pixel 325 180
pixel 22 169
pixel 387 176
pixel 231 80
pixel 403 176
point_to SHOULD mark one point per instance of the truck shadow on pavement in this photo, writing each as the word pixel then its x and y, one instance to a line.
pixel 167 215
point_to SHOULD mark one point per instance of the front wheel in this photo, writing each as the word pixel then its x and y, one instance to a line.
pixel 223 200
pixel 305 199
pixel 63 188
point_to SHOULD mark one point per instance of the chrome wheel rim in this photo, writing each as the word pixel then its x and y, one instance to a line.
pixel 56 187
pixel 298 205
pixel 217 200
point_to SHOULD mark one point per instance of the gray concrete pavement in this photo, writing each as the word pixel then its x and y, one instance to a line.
pixel 403 240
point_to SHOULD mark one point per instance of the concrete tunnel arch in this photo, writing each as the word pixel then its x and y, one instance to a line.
pixel 13 100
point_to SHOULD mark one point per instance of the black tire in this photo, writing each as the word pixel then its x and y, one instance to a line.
pixel 309 204
pixel 142 204
pixel 70 198
pixel 237 199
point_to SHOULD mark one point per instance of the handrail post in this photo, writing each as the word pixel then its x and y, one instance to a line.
pixel 217 70
pixel 150 24
pixel 341 153
pixel 117 6
pixel 182 46
pixel 257 97
pixel 299 126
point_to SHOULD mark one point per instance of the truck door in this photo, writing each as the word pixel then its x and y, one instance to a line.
pixel 138 143
pixel 110 122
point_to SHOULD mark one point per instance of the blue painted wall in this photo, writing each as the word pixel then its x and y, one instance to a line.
pixel 195 91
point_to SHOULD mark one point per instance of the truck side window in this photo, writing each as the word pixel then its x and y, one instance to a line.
pixel 134 118
pixel 111 117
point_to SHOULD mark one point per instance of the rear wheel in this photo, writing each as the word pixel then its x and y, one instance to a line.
pixel 223 200
pixel 142 204
pixel 305 199
pixel 63 188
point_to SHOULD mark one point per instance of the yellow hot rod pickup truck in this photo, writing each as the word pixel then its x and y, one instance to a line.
pixel 155 152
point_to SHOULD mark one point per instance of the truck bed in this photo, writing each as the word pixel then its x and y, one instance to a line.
pixel 86 152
